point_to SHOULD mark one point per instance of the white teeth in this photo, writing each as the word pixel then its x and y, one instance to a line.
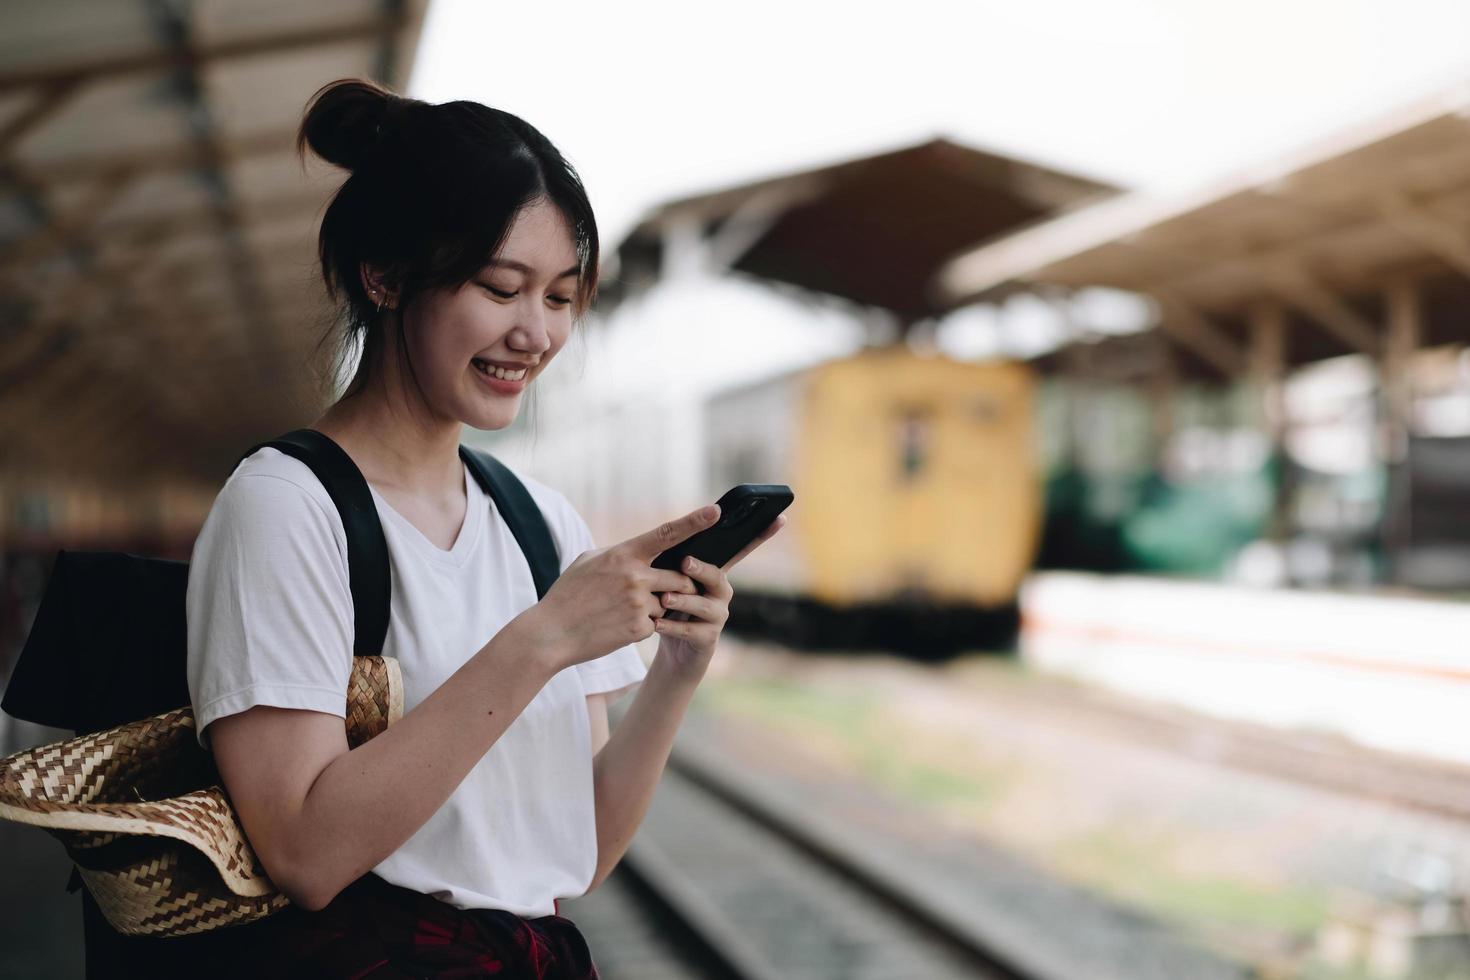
pixel 500 372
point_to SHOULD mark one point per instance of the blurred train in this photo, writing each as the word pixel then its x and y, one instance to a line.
pixel 918 499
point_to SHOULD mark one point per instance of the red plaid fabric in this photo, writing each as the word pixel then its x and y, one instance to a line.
pixel 379 931
pixel 372 930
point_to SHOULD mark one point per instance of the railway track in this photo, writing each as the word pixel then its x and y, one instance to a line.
pixel 729 880
pixel 764 897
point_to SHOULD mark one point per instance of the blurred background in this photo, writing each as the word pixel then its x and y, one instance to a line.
pixel 1116 353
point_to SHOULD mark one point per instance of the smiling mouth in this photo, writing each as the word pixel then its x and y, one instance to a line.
pixel 495 371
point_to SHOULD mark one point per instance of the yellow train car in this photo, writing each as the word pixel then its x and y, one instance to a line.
pixel 918 502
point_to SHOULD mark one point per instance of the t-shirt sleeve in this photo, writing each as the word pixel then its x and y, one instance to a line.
pixel 615 673
pixel 269 607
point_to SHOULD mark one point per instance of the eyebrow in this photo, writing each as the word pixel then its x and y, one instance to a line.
pixel 526 269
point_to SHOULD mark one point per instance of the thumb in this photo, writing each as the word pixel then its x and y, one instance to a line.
pixel 648 544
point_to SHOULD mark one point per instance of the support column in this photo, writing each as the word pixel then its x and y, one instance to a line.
pixel 1268 382
pixel 1396 390
pixel 1397 382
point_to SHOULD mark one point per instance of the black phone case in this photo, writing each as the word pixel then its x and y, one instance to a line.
pixel 745 511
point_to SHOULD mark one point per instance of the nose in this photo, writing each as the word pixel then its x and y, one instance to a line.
pixel 530 334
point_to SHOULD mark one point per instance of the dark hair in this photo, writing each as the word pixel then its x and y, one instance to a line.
pixel 433 192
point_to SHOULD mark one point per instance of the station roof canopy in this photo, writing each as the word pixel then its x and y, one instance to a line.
pixel 157 231
pixel 1321 236
pixel 873 231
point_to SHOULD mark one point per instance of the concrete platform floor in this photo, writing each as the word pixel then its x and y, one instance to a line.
pixel 40 923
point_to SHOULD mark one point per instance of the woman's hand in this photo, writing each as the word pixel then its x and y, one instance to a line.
pixel 609 597
pixel 628 766
pixel 692 625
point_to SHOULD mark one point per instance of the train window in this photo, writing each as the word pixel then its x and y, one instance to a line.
pixel 914 434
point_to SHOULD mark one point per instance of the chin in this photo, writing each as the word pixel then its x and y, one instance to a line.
pixel 492 421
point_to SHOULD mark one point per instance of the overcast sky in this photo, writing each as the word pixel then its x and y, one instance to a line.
pixel 656 100
pixel 653 101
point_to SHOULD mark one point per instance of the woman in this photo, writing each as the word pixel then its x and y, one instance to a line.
pixel 462 249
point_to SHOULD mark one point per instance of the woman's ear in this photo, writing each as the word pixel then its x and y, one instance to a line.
pixel 376 283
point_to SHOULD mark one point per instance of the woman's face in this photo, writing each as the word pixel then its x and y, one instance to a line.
pixel 510 319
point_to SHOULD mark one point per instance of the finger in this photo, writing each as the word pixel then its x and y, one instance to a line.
pixel 709 576
pixel 686 630
pixel 666 535
pixel 760 539
pixel 707 610
pixel 662 580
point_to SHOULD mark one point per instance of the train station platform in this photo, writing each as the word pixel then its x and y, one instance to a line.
pixel 40 922
pixel 1386 670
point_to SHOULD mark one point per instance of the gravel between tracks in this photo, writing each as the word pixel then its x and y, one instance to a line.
pixel 811 925
pixel 1226 831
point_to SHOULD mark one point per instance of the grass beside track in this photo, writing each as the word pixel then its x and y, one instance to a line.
pixel 1144 863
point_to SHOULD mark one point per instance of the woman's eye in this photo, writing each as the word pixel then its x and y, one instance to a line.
pixel 559 301
pixel 503 294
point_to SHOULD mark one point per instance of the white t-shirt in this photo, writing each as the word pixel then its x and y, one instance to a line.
pixel 270 622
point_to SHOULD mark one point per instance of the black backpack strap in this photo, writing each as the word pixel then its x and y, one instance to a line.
pixel 526 521
pixel 367 550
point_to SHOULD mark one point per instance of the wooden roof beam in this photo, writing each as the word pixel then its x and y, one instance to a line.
pixel 1201 335
pixel 1417 223
pixel 137 242
pixel 60 230
pixel 142 273
pixel 81 420
pixel 753 217
pixel 1299 288
pixel 175 30
pixel 63 349
pixel 28 198
pixel 53 296
pixel 47 103
pixel 149 232
pixel 74 394
pixel 164 57
pixel 58 331
pixel 166 159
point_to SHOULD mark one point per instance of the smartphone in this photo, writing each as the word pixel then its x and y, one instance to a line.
pixel 745 511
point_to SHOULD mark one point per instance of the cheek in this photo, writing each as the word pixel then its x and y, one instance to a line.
pixel 560 333
pixel 440 335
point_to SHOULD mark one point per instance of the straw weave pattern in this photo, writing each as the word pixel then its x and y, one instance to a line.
pixel 140 810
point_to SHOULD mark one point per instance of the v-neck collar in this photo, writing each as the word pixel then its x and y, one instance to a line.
pixel 469 530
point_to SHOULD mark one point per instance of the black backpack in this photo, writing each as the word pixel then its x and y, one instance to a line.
pixel 109 645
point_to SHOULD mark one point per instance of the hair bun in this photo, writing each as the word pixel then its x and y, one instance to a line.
pixel 344 119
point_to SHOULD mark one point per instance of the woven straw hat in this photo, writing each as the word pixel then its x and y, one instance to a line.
pixel 140 810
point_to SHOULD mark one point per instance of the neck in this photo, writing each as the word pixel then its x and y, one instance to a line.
pixel 396 440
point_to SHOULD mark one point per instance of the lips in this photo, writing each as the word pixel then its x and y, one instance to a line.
pixel 501 386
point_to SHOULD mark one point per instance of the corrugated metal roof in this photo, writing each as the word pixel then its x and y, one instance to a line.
pixel 1321 234
pixel 873 230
